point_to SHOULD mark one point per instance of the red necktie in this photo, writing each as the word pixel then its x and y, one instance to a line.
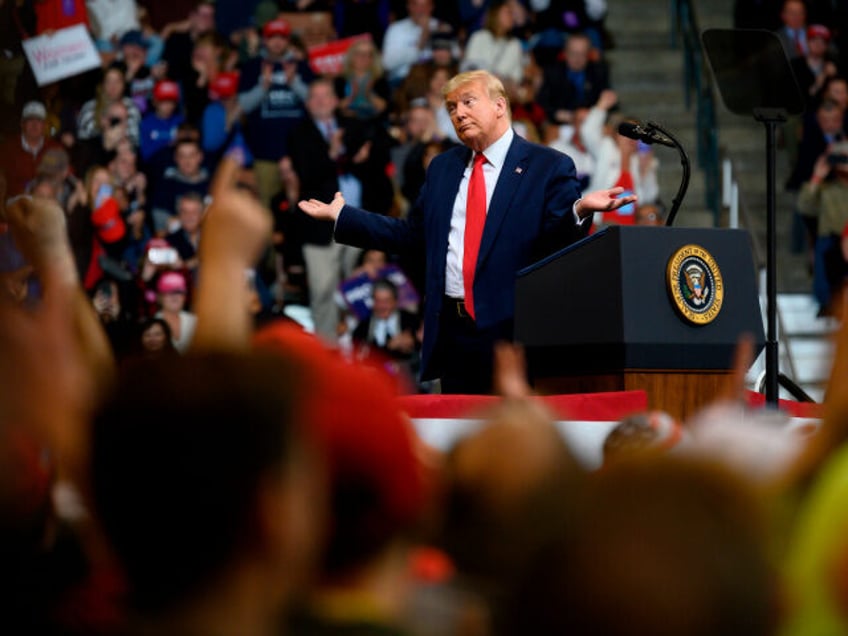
pixel 475 219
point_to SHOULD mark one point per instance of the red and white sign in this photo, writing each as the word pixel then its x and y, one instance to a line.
pixel 63 53
pixel 328 59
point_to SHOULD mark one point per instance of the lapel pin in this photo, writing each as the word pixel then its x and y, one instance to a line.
pixel 519 170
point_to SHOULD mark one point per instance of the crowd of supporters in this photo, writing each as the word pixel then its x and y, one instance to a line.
pixel 129 149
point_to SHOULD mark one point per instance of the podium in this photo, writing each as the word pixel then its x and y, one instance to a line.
pixel 658 309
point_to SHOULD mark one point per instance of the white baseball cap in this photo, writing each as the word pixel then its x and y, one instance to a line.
pixel 34 110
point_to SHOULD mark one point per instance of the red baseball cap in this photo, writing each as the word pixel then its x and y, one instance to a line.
pixel 276 27
pixel 224 85
pixel 818 31
pixel 166 90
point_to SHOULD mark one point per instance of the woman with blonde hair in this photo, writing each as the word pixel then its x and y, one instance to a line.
pixel 111 89
pixel 362 87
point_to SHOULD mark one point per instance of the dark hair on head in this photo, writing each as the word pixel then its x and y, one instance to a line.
pixel 117 65
pixel 832 80
pixel 182 141
pixel 188 130
pixel 191 195
pixel 179 448
pixel 149 322
pixel 386 284
pixel 491 21
pixel 658 545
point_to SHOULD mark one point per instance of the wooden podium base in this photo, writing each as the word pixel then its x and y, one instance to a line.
pixel 679 393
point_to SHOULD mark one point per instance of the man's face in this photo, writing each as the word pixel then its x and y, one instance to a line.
pixel 794 14
pixel 165 108
pixel 190 213
pixel 477 118
pixel 203 18
pixel 33 128
pixel 124 165
pixel 134 54
pixel 322 101
pixel 421 120
pixel 838 91
pixel 384 303
pixel 188 159
pixel 830 120
pixel 276 44
pixel 577 53
pixel 419 10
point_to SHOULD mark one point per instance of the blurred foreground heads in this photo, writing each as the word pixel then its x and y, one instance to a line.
pixel 663 546
pixel 379 493
pixel 208 490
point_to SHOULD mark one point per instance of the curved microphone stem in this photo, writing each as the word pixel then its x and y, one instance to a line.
pixel 684 181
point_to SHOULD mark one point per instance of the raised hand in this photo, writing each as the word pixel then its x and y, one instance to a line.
pixel 38 226
pixel 236 226
pixel 236 229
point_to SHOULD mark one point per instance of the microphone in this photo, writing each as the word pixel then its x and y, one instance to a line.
pixel 647 133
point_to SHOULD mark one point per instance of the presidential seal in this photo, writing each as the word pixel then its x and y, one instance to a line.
pixel 695 284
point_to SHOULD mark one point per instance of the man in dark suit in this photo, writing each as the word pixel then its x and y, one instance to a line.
pixel 575 82
pixel 532 207
pixel 331 153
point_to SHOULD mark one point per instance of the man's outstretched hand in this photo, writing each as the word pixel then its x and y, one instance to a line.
pixel 323 211
pixel 603 201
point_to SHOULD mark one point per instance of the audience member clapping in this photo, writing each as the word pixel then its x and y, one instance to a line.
pixel 361 87
pixel 272 91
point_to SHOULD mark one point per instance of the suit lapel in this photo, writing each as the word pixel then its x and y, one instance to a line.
pixel 510 178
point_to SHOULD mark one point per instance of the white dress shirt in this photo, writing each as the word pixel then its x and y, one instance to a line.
pixel 495 156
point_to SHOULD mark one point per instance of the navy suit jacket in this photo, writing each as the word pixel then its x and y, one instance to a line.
pixel 530 215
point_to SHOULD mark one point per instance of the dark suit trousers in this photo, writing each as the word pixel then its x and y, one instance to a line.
pixel 466 351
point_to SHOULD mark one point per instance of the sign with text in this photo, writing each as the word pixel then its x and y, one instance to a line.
pixel 64 53
pixel 328 59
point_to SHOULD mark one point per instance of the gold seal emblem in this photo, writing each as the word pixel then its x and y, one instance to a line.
pixel 695 284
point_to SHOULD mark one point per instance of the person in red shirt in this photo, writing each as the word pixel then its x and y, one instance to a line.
pixel 20 156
